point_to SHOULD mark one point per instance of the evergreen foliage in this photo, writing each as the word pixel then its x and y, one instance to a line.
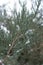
pixel 24 36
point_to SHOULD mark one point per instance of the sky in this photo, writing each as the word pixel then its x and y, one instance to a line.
pixel 10 4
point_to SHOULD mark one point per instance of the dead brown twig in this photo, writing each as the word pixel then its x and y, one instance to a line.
pixel 13 43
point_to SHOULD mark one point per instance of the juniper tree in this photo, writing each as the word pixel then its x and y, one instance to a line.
pixel 23 44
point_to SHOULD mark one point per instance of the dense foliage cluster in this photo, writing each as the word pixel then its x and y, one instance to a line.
pixel 28 49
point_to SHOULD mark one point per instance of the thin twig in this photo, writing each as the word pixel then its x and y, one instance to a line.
pixel 13 43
